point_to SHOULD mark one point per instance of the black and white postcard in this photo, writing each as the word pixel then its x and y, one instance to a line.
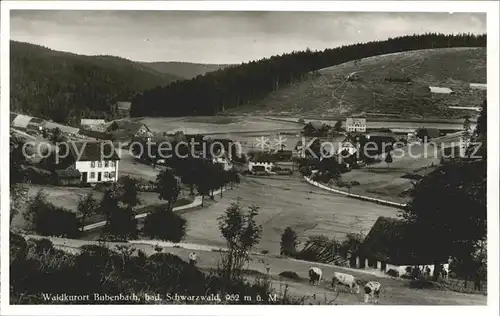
pixel 200 157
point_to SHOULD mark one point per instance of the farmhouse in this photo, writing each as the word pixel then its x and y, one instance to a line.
pixel 28 123
pixel 123 108
pixel 129 129
pixel 355 124
pixel 93 124
pixel 96 161
pixel 384 248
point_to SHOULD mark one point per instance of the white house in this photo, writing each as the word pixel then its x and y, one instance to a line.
pixel 96 161
pixel 226 164
pixel 93 124
pixel 267 165
pixel 355 124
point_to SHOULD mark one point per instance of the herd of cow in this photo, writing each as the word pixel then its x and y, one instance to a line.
pixel 371 288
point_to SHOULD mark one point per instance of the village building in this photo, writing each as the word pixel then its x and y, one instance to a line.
pixel 28 123
pixel 97 162
pixel 93 124
pixel 129 130
pixel 123 108
pixel 355 124
pixel 384 249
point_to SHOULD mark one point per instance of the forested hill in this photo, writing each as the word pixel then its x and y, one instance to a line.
pixel 64 86
pixel 183 69
pixel 247 83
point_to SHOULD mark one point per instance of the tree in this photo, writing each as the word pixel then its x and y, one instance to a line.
pixel 18 197
pixel 351 244
pixel 388 158
pixel 122 223
pixel 233 177
pixel 209 179
pixel 18 192
pixel 441 227
pixel 247 83
pixel 241 233
pixel 109 202
pixel 130 193
pixel 337 127
pixel 165 225
pixel 289 242
pixel 36 205
pixel 189 172
pixel 47 220
pixel 467 132
pixel 87 206
pixel 57 136
pixel 168 186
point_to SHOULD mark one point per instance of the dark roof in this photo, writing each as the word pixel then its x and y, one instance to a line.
pixel 386 242
pixel 433 132
pixel 69 173
pixel 93 151
pixel 317 125
pixel 131 128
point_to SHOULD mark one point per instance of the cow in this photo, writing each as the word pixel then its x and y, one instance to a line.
pixel 315 275
pixel 345 279
pixel 192 258
pixel 372 290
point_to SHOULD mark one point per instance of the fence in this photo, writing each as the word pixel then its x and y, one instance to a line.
pixel 355 196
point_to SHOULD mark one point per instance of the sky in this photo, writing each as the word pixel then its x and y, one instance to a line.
pixel 222 37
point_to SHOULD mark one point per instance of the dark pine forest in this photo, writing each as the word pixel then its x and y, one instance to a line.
pixel 239 85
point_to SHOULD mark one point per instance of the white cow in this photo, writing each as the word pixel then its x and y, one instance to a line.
pixel 372 290
pixel 345 279
pixel 315 275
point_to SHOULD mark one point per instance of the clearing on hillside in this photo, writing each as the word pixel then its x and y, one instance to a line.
pixel 396 84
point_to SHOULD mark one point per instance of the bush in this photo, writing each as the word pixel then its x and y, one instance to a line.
pixel 422 283
pixel 288 242
pixel 48 220
pixel 165 225
pixel 122 224
pixel 354 183
pixel 393 273
pixel 97 269
pixel 289 275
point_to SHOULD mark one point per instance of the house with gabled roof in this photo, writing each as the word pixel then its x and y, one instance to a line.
pixel 129 129
pixel 96 161
pixel 385 248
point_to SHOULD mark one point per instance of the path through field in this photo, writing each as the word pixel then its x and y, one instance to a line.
pixel 395 291
pixel 287 201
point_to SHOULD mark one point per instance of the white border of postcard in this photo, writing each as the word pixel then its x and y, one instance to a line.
pixel 492 9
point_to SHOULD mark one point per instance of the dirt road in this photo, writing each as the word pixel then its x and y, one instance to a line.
pixel 287 201
pixel 395 291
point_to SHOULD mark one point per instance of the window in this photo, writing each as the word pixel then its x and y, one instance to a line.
pixel 106 175
pixel 112 175
pixel 92 175
pixel 99 164
pixel 106 163
pixel 92 164
pixel 111 163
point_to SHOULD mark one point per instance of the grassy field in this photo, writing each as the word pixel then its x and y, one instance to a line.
pixel 395 291
pixel 379 84
pixel 385 181
pixel 68 197
pixel 215 124
pixel 287 202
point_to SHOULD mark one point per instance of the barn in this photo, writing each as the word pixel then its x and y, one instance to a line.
pixel 385 248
